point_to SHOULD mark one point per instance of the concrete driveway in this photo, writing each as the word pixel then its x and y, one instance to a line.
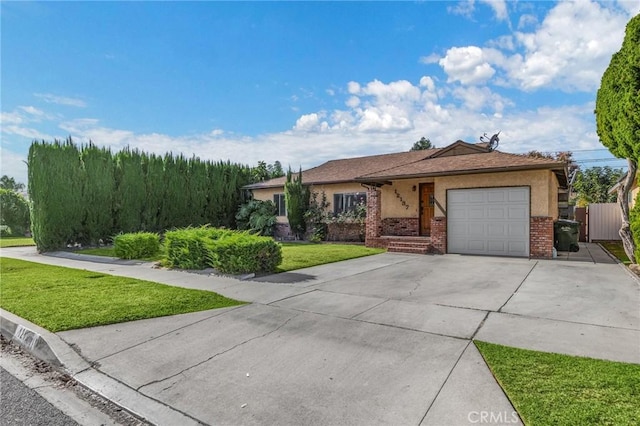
pixel 378 340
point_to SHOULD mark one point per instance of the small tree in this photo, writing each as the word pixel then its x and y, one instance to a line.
pixel 296 197
pixel 422 144
pixel 14 212
pixel 618 119
pixel 317 215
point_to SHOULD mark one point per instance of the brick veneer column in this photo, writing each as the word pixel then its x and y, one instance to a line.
pixel 374 219
pixel 439 234
pixel 541 237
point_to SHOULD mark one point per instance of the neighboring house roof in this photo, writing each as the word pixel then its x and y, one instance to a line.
pixel 455 159
pixel 615 187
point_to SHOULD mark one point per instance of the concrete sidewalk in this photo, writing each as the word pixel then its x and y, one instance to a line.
pixel 379 340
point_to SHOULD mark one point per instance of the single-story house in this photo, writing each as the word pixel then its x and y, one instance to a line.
pixel 633 191
pixel 464 198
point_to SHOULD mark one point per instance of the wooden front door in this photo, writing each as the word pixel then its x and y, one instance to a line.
pixel 426 208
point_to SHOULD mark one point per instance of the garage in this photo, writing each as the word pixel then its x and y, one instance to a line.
pixel 488 221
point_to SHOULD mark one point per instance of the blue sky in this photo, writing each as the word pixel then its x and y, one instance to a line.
pixel 305 82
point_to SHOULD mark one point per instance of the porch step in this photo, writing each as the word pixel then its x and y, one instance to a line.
pixel 410 245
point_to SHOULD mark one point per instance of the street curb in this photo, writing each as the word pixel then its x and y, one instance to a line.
pixel 49 347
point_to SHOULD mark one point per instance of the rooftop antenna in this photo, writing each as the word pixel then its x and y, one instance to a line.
pixel 493 141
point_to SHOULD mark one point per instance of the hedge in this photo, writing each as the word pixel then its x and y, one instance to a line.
pixel 138 245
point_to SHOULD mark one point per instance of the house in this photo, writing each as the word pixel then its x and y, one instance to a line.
pixel 464 198
pixel 633 191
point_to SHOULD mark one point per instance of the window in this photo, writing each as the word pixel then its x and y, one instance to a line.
pixel 278 200
pixel 343 203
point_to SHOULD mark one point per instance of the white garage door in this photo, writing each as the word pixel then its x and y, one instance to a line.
pixel 488 221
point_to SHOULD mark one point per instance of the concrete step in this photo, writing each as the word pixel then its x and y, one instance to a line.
pixel 409 249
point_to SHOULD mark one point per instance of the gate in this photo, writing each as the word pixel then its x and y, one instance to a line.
pixel 604 221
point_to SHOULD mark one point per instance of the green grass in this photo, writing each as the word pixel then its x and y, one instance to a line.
pixel 16 242
pixel 298 256
pixel 554 389
pixel 616 248
pixel 58 298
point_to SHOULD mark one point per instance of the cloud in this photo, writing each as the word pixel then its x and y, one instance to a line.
pixel 430 59
pixel 468 65
pixel 568 51
pixel 61 100
pixel 466 8
pixel 499 8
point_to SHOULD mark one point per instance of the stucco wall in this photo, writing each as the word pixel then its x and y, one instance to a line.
pixel 329 190
pixel 392 202
pixel 538 180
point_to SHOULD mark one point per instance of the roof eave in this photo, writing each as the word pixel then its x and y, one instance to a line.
pixel 364 179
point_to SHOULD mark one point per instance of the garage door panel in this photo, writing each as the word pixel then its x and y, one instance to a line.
pixel 493 221
pixel 496 196
pixel 496 213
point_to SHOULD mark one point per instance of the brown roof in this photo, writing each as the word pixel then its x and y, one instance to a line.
pixel 494 161
pixel 347 170
pixel 376 169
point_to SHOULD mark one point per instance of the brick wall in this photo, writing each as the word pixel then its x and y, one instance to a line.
pixel 541 237
pixel 400 226
pixel 439 234
pixel 374 218
pixel 346 231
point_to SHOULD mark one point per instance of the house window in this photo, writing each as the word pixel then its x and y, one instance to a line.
pixel 278 200
pixel 343 203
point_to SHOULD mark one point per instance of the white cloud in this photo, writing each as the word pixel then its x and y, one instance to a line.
pixel 307 123
pixel 568 51
pixel 527 20
pixel 481 98
pixel 430 59
pixel 353 87
pixel 61 100
pixel 499 8
pixel 468 65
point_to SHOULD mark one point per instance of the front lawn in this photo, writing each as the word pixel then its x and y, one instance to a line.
pixel 58 298
pixel 16 242
pixel 616 248
pixel 554 389
pixel 294 255
pixel 301 255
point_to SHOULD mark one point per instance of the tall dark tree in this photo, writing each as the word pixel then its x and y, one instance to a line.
pixel 422 144
pixel 618 119
pixel 275 170
pixel 296 197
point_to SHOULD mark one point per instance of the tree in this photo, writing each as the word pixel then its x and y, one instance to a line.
pixel 9 183
pixel 275 170
pixel 14 212
pixel 422 144
pixel 593 184
pixel 618 119
pixel 296 197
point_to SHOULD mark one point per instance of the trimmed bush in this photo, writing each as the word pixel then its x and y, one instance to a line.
pixel 243 253
pixel 189 248
pixel 230 252
pixel 138 245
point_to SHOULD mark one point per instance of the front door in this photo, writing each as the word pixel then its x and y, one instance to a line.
pixel 426 208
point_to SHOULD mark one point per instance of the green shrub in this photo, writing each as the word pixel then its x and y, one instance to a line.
pixel 188 248
pixel 242 253
pixel 14 213
pixel 230 252
pixel 138 245
pixel 258 216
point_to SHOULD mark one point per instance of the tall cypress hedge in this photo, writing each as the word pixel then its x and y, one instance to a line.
pixel 84 194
